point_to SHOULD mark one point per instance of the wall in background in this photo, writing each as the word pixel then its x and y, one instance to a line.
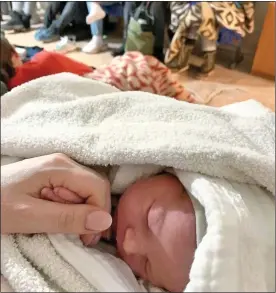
pixel 264 60
pixel 250 42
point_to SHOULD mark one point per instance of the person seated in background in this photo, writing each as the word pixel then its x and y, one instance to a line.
pixel 95 10
pixel 158 12
pixel 14 72
pixel 61 18
pixel 95 20
pixel 21 16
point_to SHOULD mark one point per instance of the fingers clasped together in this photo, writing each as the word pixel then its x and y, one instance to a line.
pixel 35 194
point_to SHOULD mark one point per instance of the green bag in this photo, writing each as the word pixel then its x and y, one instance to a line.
pixel 140 31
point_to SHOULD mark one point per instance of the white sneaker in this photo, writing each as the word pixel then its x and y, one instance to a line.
pixel 94 46
pixel 66 45
pixel 95 14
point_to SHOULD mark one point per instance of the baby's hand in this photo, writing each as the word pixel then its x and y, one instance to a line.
pixel 64 195
pixel 60 194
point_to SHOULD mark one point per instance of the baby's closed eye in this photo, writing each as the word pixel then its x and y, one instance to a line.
pixel 155 218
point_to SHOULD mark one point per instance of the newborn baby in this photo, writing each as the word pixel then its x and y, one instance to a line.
pixel 157 227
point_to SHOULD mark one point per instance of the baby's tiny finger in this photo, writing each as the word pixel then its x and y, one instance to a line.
pixel 48 194
pixel 90 239
pixel 107 234
pixel 68 195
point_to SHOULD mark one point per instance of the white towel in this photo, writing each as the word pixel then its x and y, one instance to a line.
pixel 209 149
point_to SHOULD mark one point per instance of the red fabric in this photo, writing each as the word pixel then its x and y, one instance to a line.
pixel 46 63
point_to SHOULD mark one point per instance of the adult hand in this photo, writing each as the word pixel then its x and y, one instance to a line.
pixel 26 184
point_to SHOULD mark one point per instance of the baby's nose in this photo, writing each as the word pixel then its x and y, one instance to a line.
pixel 130 244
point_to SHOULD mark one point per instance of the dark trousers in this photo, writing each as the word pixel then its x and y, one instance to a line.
pixel 69 13
pixel 158 11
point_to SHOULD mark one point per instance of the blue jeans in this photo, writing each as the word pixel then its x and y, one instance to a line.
pixel 97 26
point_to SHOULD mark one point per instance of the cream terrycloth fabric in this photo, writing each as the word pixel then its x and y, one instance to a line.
pixel 226 160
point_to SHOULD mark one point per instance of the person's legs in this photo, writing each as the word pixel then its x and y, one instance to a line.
pixel 28 11
pixel 188 46
pixel 73 13
pixel 52 10
pixel 66 17
pixel 97 28
pixel 29 7
pixel 95 12
pixel 35 17
pixel 81 13
pixel 96 45
pixel 128 8
pixel 67 11
pixel 157 9
pixel 209 47
pixel 17 6
pixel 18 21
pixel 5 8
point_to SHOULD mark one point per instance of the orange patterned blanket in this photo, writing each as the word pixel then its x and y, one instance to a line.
pixel 136 72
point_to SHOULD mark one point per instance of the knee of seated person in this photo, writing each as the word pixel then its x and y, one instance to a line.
pixel 157 8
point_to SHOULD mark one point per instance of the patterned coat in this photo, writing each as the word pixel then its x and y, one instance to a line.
pixel 208 17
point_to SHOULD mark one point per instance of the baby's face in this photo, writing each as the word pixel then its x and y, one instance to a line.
pixel 156 231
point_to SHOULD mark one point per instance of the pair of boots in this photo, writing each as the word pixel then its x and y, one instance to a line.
pixel 208 56
pixel 18 22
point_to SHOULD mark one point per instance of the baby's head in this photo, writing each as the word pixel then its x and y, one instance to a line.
pixel 156 231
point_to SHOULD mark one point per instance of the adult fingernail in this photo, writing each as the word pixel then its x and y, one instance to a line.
pixel 98 221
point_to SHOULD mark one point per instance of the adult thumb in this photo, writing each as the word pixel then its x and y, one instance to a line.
pixel 72 218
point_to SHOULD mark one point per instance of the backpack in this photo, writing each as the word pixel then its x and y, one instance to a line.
pixel 140 35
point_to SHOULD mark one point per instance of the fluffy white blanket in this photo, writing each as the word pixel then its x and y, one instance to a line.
pixel 225 159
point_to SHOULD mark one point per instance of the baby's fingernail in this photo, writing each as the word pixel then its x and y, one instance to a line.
pixel 107 234
pixel 95 239
pixel 98 221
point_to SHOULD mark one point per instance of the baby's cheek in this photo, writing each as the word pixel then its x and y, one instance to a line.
pixel 135 263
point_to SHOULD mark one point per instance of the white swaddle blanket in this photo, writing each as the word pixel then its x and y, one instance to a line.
pixel 226 160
